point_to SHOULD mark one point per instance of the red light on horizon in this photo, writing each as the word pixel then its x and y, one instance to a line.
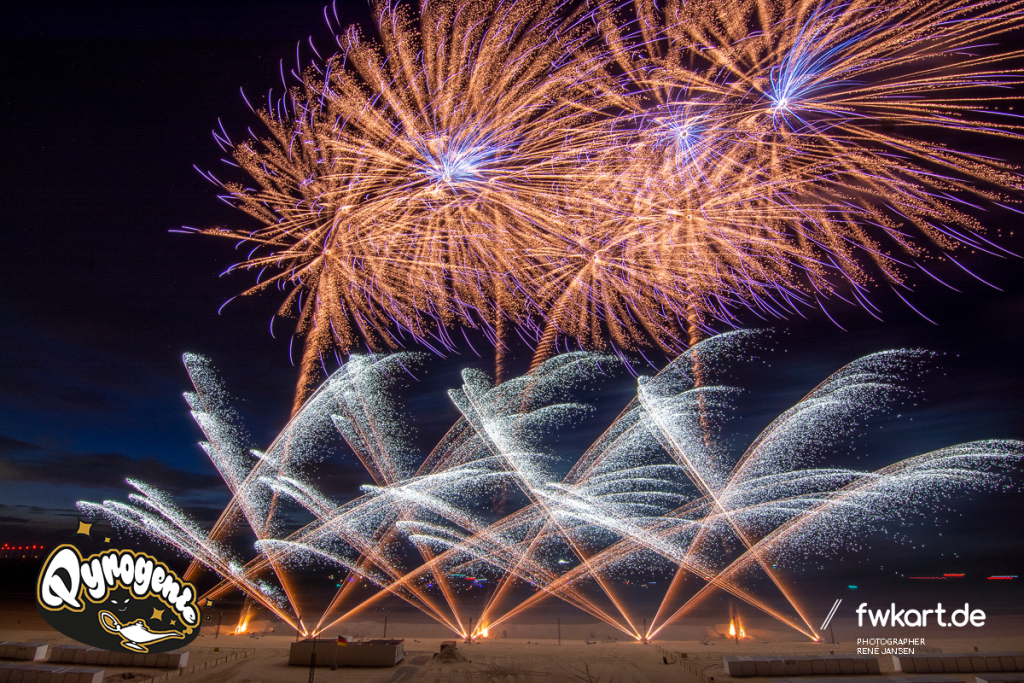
pixel 1006 577
pixel 953 575
pixel 929 578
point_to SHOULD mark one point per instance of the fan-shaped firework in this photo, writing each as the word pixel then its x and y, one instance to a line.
pixel 657 492
pixel 623 176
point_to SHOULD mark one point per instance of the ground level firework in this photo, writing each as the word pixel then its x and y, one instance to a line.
pixel 494 506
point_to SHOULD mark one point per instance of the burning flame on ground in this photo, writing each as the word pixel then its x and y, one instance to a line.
pixel 732 629
pixel 243 621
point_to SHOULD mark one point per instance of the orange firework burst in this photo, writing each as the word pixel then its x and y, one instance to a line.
pixel 411 172
pixel 621 178
pixel 843 108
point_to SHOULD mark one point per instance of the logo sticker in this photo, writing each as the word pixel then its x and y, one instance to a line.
pixel 117 599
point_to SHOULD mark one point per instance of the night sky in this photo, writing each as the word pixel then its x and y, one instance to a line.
pixel 104 112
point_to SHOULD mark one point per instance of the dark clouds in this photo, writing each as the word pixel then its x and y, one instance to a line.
pixel 5 519
pixel 31 524
pixel 10 447
pixel 31 463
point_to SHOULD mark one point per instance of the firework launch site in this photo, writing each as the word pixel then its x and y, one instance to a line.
pixel 569 650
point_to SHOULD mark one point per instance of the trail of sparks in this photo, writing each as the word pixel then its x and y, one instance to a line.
pixel 657 489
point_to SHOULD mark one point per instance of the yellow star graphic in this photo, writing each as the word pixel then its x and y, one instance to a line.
pixel 83 528
pixel 106 539
pixel 173 622
pixel 158 614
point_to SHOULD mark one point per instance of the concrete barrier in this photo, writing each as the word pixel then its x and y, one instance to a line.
pixel 875 679
pixel 799 665
pixel 31 652
pixel 83 654
pixel 362 653
pixel 970 662
pixel 231 654
pixel 48 673
pixel 1000 678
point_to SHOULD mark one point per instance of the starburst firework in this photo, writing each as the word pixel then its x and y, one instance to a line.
pixel 403 183
pixel 843 110
pixel 622 176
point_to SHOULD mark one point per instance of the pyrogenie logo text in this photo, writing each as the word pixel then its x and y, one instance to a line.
pixel 912 617
pixel 101 573
pixel 117 600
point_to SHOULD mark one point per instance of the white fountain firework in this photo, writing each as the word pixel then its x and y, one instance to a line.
pixel 658 490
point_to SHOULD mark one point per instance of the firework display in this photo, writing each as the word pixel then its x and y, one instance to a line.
pixel 658 491
pixel 835 119
pixel 403 185
pixel 622 176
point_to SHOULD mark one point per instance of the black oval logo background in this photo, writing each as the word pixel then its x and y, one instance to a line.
pixel 120 621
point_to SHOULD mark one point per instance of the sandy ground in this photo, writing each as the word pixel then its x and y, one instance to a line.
pixel 495 659
pixel 528 653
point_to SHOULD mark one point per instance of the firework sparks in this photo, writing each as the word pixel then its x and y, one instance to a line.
pixel 579 175
pixel 658 489
pixel 400 185
pixel 829 123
